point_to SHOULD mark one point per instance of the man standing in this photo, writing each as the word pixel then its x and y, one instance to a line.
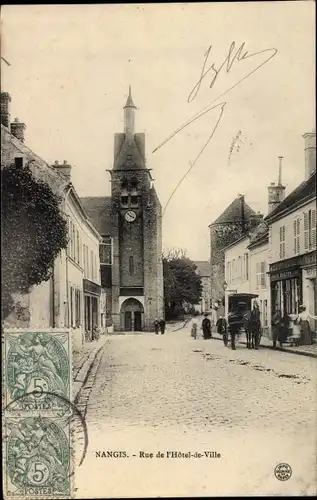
pixel 162 326
pixel 156 326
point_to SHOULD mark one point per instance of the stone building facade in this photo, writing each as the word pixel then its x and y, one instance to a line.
pixel 230 226
pixel 130 222
pixel 292 243
pixel 71 297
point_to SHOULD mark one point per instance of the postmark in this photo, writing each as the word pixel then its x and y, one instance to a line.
pixel 283 472
pixel 37 457
pixel 37 363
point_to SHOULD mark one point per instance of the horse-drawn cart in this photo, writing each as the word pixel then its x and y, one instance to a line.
pixel 241 317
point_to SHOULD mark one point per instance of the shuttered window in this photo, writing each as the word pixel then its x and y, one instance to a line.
pixel 313 228
pixel 282 242
pixel 296 228
pixel 310 229
pixel 306 231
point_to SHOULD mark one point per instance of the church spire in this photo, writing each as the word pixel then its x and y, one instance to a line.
pixel 129 115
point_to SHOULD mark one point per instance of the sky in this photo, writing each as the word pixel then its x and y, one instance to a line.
pixel 71 66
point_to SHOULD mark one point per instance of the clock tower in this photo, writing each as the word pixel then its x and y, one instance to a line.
pixel 136 219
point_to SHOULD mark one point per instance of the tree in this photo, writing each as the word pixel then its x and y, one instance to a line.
pixel 33 232
pixel 182 284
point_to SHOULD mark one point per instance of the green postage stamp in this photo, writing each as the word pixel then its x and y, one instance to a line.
pixel 36 428
pixel 37 365
pixel 37 457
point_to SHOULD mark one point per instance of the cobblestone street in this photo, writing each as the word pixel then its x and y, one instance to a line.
pixel 171 393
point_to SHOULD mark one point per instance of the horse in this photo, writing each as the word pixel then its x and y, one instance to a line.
pixel 252 327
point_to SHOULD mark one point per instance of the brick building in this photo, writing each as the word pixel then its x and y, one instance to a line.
pixel 130 222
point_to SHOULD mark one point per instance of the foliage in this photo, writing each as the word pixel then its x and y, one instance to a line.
pixel 182 285
pixel 33 232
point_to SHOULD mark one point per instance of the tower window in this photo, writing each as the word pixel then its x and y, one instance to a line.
pixel 131 265
pixel 134 200
pixel 124 197
pixel 124 200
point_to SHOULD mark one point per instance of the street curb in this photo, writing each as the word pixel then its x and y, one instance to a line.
pixel 283 349
pixel 85 370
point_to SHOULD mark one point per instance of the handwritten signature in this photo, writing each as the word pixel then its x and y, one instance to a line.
pixel 233 57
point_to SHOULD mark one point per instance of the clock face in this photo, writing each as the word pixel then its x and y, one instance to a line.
pixel 130 216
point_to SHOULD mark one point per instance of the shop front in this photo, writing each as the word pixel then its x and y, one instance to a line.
pixel 92 293
pixel 310 290
pixel 287 279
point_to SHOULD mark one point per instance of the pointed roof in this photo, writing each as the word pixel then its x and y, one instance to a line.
pixel 233 213
pixel 130 103
pixel 129 157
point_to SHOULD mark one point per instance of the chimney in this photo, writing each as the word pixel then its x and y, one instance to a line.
pixel 280 165
pixel 64 168
pixel 17 129
pixel 276 192
pixel 310 154
pixel 5 109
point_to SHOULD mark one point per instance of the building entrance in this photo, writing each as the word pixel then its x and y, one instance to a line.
pixel 132 314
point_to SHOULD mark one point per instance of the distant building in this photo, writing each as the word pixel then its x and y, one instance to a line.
pixel 71 298
pixel 292 242
pixel 130 223
pixel 229 227
pixel 203 270
pixel 246 268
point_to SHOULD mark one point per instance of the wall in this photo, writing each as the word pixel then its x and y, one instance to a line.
pixel 238 277
pixel 288 221
pixel 39 301
pixel 259 254
pixel 77 267
pixel 41 312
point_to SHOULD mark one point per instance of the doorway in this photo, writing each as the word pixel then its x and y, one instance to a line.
pixel 137 321
pixel 132 314
pixel 128 321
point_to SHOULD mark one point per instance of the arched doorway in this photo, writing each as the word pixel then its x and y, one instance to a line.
pixel 132 313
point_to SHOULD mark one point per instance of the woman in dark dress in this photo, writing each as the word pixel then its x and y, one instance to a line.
pixel 206 327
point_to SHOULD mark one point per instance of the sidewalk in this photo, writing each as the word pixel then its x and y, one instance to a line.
pixel 83 361
pixel 303 350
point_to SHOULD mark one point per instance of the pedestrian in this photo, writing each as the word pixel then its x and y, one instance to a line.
pixel 206 327
pixel 156 326
pixel 303 321
pixel 162 326
pixel 277 328
pixel 193 330
pixel 222 329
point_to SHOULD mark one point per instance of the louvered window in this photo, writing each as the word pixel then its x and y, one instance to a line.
pixel 313 228
pixel 296 227
pixel 310 229
pixel 282 242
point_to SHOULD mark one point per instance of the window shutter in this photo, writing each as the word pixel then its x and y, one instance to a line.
pixel 306 231
pixel 313 228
